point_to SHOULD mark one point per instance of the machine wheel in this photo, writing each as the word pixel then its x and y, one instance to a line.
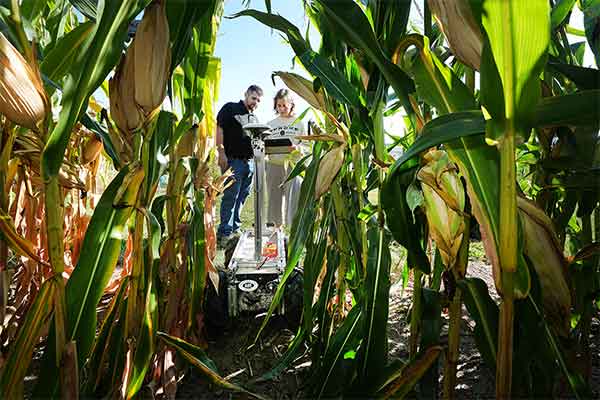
pixel 216 309
pixel 294 299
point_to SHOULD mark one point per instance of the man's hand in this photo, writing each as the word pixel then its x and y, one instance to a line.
pixel 223 161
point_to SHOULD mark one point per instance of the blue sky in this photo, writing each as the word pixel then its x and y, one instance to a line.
pixel 250 52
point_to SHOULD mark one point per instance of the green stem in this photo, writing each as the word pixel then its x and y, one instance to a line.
pixel 505 339
pixel 508 219
pixel 134 312
pixel 459 271
pixel 470 79
pixel 341 216
pixel 54 223
pixel 357 161
pixel 453 345
pixel 15 15
pixel 415 316
pixel 427 25
pixel 508 261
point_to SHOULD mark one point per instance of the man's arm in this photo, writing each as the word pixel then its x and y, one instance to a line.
pixel 221 157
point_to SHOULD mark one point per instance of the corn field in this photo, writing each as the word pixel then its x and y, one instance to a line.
pixel 107 210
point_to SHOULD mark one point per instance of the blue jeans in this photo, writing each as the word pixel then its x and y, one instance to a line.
pixel 235 195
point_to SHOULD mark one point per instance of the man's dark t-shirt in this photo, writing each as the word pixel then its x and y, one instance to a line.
pixel 236 142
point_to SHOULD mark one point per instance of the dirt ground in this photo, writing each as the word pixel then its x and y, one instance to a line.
pixel 229 352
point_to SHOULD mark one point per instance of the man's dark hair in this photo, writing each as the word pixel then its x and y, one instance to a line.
pixel 256 89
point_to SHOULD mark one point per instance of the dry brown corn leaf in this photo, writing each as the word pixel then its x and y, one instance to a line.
pixel 542 248
pixel 460 28
pixel 91 149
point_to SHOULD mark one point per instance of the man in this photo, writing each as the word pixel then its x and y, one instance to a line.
pixel 235 152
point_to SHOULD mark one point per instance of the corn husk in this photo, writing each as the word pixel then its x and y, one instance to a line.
pixel 123 109
pixel 543 249
pixel 152 58
pixel 460 28
pixel 23 99
pixel 330 165
pixel 444 200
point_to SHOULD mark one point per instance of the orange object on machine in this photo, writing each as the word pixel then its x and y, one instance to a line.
pixel 270 250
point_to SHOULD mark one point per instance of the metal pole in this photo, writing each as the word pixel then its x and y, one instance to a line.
pixel 259 167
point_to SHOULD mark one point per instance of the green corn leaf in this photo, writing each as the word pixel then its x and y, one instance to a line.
pixel 89 8
pixel 15 367
pixel 99 54
pixel 320 310
pixel 313 263
pixel 198 358
pixel 577 109
pixel 327 380
pixel 561 10
pixel 349 20
pixel 161 134
pixel 144 350
pixel 584 78
pixel 566 110
pixel 515 52
pixel 109 147
pixel 443 129
pixel 31 9
pixel 158 208
pixel 399 383
pixel 334 82
pixel 57 62
pixel 373 350
pixel 99 255
pixel 399 217
pixel 579 386
pixel 485 313
pixel 145 347
pixel 183 16
pixel 192 350
pixel 295 39
pixel 298 168
pixel 196 251
pixel 437 84
pixel 430 329
pixel 591 22
pixel 102 349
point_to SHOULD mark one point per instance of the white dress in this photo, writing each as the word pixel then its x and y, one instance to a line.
pixel 282 198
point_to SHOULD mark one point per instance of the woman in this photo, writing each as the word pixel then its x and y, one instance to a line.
pixel 283 198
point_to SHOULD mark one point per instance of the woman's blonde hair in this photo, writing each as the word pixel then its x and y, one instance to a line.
pixel 283 94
